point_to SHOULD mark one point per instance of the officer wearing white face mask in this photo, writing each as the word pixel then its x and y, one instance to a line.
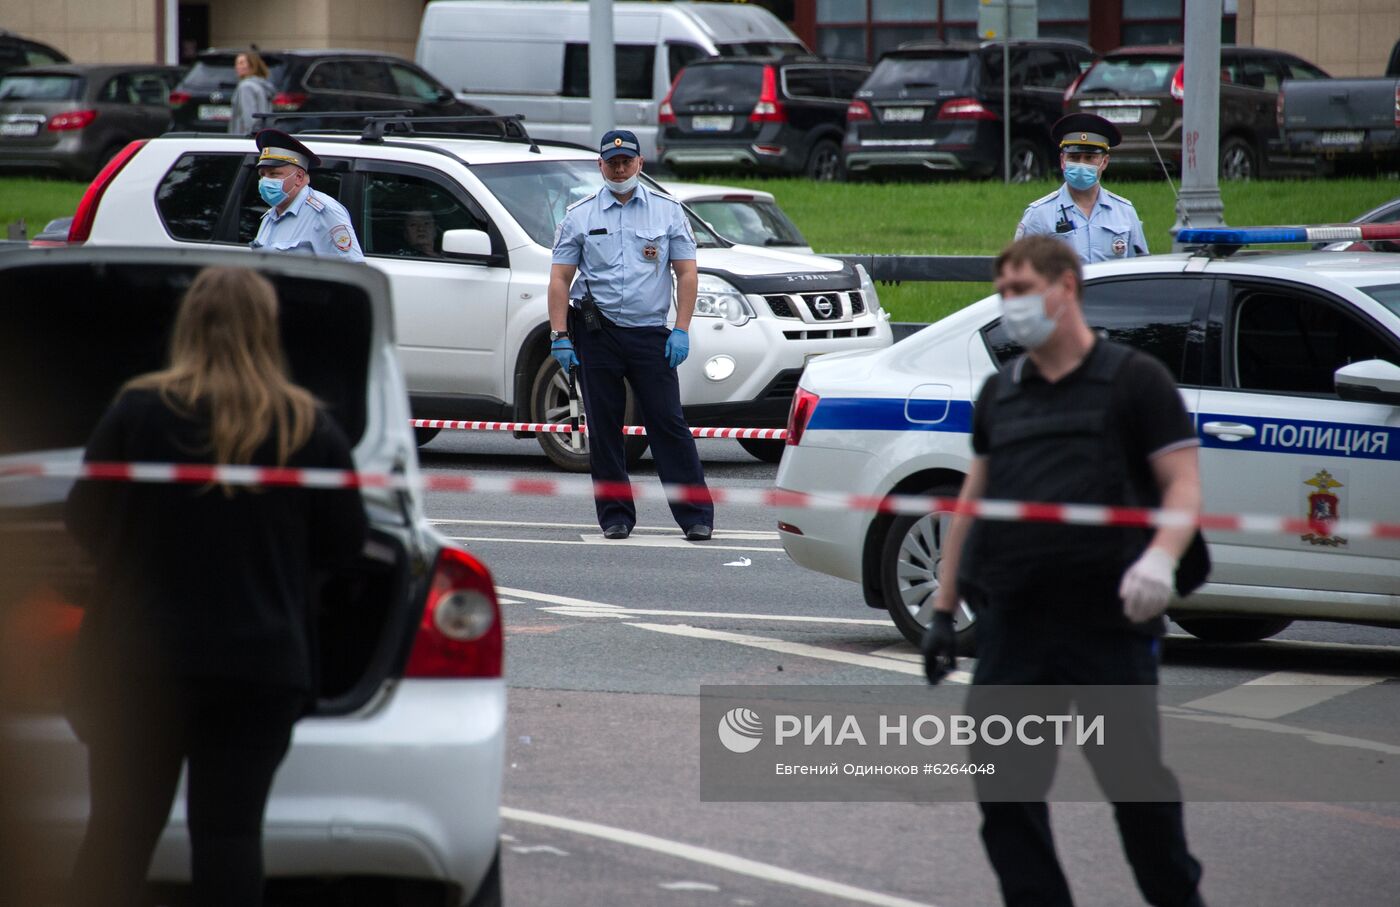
pixel 1076 419
pixel 301 219
pixel 1096 223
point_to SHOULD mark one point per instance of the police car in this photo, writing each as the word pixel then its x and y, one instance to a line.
pixel 470 300
pixel 1288 362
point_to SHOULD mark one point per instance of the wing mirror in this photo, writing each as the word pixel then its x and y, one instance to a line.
pixel 1370 381
pixel 470 243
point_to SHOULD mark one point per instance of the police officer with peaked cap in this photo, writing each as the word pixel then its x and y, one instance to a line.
pixel 1098 224
pixel 622 242
pixel 300 218
pixel 1072 616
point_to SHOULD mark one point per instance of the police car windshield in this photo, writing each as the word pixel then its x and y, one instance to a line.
pixel 1387 295
pixel 537 193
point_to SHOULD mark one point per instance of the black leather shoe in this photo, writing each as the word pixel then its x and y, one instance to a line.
pixel 698 533
pixel 619 531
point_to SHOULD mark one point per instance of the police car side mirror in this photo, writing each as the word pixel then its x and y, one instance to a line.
pixel 1370 381
pixel 469 243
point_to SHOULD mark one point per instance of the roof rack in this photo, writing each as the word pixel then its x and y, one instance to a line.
pixel 271 118
pixel 512 127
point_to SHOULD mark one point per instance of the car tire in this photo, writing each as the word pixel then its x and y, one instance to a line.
pixel 423 435
pixel 824 163
pixel 763 449
pixel 909 562
pixel 549 402
pixel 1238 159
pixel 1029 161
pixel 1234 629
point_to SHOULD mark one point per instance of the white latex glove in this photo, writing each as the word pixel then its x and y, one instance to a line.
pixel 1147 585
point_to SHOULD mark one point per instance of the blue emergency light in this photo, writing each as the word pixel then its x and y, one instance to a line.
pixel 1247 236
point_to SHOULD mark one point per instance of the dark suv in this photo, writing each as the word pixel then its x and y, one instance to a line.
pixel 931 106
pixel 1141 89
pixel 781 114
pixel 313 81
pixel 16 52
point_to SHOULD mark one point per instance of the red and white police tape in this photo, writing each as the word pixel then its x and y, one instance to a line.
pixel 563 428
pixel 1066 514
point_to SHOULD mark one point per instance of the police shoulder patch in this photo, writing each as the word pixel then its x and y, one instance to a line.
pixel 341 237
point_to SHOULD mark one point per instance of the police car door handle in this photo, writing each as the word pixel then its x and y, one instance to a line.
pixel 1229 431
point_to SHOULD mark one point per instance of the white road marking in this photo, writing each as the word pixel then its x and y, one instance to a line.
pixel 580 607
pixel 756 535
pixel 801 649
pixel 688 886
pixel 634 542
pixel 1292 691
pixel 708 857
pixel 900 651
pixel 540 848
pixel 1322 738
pixel 551 599
pixel 1355 647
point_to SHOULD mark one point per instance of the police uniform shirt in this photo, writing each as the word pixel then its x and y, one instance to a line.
pixel 1111 233
pixel 313 221
pixel 624 252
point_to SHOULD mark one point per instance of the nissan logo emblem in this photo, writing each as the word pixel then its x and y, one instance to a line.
pixel 823 307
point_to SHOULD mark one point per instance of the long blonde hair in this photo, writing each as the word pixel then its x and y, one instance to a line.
pixel 256 65
pixel 226 361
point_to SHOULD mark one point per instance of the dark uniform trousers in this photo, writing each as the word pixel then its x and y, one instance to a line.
pixel 1035 644
pixel 606 357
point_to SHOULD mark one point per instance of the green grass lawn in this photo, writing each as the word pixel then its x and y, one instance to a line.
pixel 941 217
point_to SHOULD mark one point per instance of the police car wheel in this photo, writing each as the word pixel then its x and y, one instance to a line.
pixel 549 402
pixel 909 563
pixel 760 449
pixel 1234 629
pixel 423 435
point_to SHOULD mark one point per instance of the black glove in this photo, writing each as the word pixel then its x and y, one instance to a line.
pixel 940 647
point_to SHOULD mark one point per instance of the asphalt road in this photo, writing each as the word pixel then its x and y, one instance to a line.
pixel 608 643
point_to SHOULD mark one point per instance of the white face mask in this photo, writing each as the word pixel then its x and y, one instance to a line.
pixel 1025 320
pixel 622 187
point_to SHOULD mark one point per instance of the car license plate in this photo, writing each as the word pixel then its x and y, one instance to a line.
pixel 215 111
pixel 902 115
pixel 1349 137
pixel 712 124
pixel 19 128
pixel 1121 114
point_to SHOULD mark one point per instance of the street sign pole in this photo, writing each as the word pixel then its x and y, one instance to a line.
pixel 1199 204
pixel 1007 21
pixel 601 70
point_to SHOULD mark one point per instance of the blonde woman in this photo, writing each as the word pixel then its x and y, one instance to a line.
pixel 196 646
pixel 253 95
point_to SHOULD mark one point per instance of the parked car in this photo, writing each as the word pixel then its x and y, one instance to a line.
pixel 1289 364
pixel 17 52
pixel 72 118
pixel 1388 213
pixel 750 217
pixel 531 56
pixel 1141 90
pixel 775 115
pixel 315 81
pixel 1352 122
pixel 932 106
pixel 391 790
pixel 471 319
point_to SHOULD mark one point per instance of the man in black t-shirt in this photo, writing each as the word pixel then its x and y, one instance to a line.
pixel 1075 420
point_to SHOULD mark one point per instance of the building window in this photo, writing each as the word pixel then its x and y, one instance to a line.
pixel 866 29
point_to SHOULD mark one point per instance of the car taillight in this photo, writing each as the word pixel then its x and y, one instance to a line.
pixel 460 634
pixel 1397 104
pixel 804 403
pixel 73 119
pixel 179 98
pixel 288 100
pixel 768 109
pixel 666 114
pixel 1278 109
pixel 1178 88
pixel 1073 87
pixel 87 208
pixel 858 112
pixel 965 109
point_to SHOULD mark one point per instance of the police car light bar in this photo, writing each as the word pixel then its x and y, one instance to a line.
pixel 1246 236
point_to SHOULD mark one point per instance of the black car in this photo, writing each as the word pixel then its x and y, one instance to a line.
pixel 313 81
pixel 933 106
pixel 16 52
pixel 778 114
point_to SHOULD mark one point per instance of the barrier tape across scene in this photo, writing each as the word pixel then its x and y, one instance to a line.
pixel 580 487
pixel 564 428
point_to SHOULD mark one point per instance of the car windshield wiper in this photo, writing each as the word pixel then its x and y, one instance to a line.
pixel 920 84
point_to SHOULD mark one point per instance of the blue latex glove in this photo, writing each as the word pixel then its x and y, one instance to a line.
pixel 563 352
pixel 677 347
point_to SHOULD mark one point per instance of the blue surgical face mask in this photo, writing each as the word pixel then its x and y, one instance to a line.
pixel 1081 176
pixel 270 188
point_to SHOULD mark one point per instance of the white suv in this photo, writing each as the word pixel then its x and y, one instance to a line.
pixel 472 327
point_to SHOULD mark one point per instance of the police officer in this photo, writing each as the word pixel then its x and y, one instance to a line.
pixel 1075 419
pixel 622 242
pixel 300 219
pixel 1098 224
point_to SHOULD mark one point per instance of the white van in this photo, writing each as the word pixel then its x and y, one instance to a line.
pixel 531 56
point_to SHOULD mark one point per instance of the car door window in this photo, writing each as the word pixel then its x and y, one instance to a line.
pixel 1286 341
pixel 807 82
pixel 328 178
pixel 634 66
pixel 1297 69
pixel 150 88
pixel 846 82
pixel 366 77
pixel 326 76
pixel 679 56
pixel 410 84
pixel 405 216
pixel 117 91
pixel 1259 73
pixel 192 194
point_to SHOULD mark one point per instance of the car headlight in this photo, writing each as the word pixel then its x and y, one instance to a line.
pixel 717 298
pixel 867 290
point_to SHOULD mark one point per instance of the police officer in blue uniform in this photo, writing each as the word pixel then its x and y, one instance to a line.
pixel 300 219
pixel 623 242
pixel 1098 224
